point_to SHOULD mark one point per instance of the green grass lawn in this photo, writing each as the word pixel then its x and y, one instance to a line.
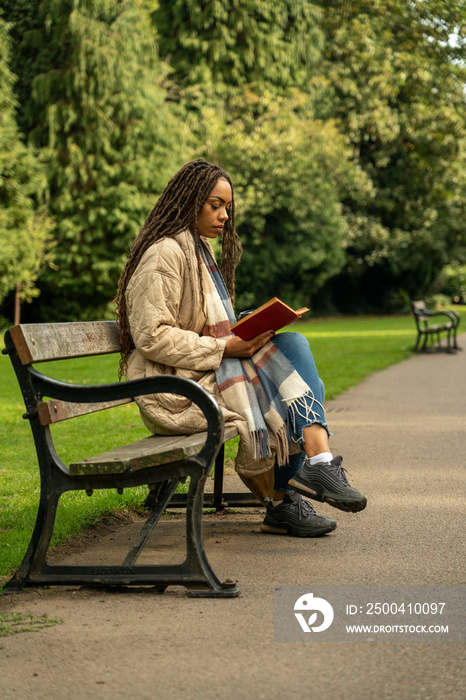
pixel 346 351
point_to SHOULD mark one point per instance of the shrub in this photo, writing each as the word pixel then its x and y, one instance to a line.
pixel 454 283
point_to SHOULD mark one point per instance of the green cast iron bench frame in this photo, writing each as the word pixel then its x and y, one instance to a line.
pixel 428 330
pixel 159 462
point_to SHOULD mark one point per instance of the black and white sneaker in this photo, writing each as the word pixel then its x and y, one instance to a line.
pixel 327 482
pixel 295 516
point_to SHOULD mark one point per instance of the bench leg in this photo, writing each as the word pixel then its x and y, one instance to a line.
pixel 195 573
pixel 34 560
pixel 455 331
pixel 218 480
pixel 449 348
pixel 163 498
pixel 196 558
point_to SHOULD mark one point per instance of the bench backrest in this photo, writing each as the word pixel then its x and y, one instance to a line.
pixel 418 307
pixel 43 342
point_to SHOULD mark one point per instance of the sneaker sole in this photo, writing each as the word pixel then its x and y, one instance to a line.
pixel 347 506
pixel 277 530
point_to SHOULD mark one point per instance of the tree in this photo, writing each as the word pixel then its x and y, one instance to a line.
pixel 398 95
pixel 289 173
pixel 97 111
pixel 24 227
pixel 247 75
pixel 225 44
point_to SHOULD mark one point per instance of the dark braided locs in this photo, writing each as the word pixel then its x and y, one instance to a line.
pixel 176 210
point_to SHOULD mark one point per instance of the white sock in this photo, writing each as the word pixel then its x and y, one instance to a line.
pixel 276 503
pixel 323 457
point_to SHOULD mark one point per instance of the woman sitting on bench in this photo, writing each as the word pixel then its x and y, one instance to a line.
pixel 175 311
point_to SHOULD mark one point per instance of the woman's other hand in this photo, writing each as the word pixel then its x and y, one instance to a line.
pixel 236 347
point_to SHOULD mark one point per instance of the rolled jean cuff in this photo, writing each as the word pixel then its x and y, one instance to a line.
pixel 308 425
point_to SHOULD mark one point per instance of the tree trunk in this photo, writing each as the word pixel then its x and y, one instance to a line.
pixel 18 304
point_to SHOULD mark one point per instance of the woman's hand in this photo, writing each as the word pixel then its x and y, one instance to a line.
pixel 236 347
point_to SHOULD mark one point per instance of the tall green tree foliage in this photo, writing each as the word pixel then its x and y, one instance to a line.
pixel 290 171
pixel 230 43
pixel 397 70
pixel 97 111
pixel 24 227
pixel 247 75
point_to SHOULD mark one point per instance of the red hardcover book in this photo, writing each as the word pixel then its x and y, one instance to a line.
pixel 271 316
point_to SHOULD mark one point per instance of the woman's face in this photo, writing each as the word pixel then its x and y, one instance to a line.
pixel 216 210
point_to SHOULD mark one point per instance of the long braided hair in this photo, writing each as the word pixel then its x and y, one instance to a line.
pixel 176 210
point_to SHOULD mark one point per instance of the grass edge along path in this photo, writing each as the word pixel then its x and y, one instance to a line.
pixel 346 350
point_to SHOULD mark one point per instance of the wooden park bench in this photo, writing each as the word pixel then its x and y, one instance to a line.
pixel 428 330
pixel 159 462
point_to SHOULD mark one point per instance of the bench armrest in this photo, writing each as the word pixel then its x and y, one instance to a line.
pixel 424 314
pixel 427 312
pixel 455 317
pixel 79 393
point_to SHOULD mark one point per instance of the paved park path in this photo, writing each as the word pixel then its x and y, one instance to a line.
pixel 403 438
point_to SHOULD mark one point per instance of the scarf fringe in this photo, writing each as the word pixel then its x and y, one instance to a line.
pixel 283 446
pixel 260 443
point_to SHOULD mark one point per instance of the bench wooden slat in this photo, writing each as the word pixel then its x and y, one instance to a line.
pixel 150 452
pixel 55 411
pixel 40 342
pixel 438 327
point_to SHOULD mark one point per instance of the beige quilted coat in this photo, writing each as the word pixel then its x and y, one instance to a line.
pixel 166 321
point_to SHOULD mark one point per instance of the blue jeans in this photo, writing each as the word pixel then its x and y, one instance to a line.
pixel 296 349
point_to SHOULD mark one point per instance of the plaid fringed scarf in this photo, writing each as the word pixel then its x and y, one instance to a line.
pixel 266 390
